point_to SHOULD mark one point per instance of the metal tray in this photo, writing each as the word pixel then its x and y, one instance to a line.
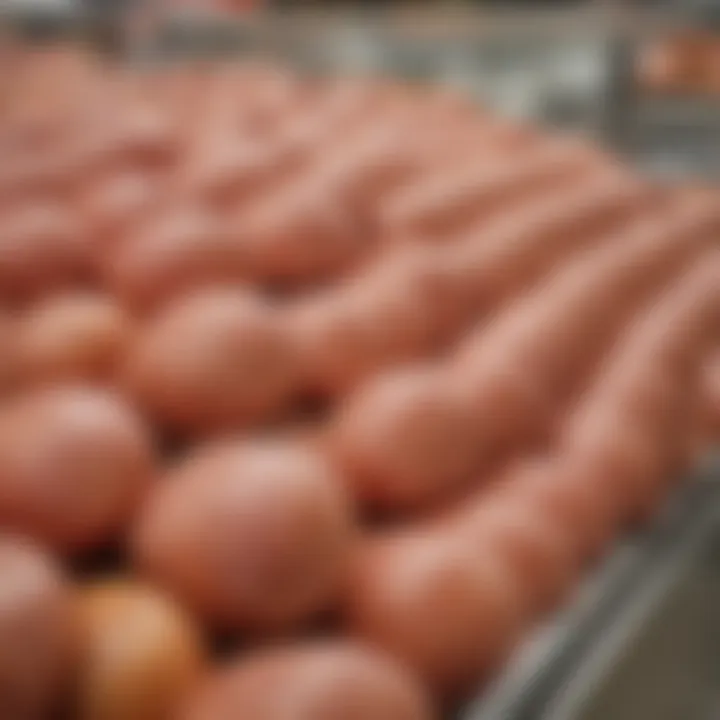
pixel 642 639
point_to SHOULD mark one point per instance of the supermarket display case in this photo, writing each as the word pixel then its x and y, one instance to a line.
pixel 642 638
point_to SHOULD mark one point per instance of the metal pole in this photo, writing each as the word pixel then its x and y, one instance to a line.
pixel 621 95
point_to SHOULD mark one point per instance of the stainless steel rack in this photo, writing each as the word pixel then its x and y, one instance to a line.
pixel 642 638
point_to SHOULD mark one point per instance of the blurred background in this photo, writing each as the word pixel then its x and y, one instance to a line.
pixel 643 74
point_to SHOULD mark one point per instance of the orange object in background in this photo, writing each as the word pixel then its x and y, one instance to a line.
pixel 686 62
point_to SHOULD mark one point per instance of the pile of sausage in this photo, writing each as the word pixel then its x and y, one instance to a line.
pixel 318 395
